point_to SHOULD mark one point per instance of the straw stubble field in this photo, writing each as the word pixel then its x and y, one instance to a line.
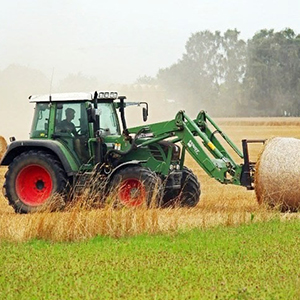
pixel 219 205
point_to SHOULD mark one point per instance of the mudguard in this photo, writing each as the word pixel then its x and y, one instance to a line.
pixel 69 162
pixel 123 165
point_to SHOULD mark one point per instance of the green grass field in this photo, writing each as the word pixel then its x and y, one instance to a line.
pixel 256 261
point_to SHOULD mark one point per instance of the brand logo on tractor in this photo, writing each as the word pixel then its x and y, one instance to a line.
pixel 193 146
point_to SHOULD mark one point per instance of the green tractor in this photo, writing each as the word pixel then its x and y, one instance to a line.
pixel 75 135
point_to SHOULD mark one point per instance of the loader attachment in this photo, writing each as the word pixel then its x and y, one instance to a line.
pixel 210 155
pixel 248 169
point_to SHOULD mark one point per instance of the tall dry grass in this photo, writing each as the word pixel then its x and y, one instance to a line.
pixel 219 205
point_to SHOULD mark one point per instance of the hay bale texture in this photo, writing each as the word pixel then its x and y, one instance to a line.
pixel 3 146
pixel 277 176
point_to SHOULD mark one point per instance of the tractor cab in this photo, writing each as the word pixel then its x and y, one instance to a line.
pixel 86 124
pixel 69 113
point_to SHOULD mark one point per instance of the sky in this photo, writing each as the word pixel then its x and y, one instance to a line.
pixel 118 41
pixel 112 41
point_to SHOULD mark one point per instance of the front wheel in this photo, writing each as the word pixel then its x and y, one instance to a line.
pixel 32 178
pixel 189 193
pixel 135 186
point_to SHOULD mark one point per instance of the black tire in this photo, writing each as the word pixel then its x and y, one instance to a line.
pixel 135 186
pixel 188 195
pixel 32 178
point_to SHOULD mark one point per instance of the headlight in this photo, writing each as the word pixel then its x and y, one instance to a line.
pixel 113 95
pixel 107 95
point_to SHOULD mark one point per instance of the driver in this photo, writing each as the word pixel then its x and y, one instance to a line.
pixel 66 125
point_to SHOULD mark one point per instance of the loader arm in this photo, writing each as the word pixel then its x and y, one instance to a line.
pixel 210 155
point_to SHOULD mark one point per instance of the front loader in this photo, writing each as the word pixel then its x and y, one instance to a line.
pixel 77 135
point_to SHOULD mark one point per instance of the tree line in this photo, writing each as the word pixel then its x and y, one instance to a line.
pixel 228 76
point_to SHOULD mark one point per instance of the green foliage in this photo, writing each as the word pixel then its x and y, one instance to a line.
pixel 257 261
pixel 273 72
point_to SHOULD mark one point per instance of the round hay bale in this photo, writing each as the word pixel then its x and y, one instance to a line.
pixel 277 175
pixel 3 146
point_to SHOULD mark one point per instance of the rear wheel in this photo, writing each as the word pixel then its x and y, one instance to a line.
pixel 32 178
pixel 136 186
pixel 189 193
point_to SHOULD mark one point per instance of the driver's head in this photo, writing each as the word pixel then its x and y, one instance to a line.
pixel 70 114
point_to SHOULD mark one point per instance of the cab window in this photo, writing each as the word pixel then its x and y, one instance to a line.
pixel 71 118
pixel 40 121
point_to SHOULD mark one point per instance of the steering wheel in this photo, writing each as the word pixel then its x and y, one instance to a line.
pixel 80 132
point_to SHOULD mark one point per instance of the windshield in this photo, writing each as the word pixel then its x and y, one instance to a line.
pixel 108 119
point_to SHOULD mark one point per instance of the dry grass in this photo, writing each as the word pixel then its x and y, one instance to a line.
pixel 219 205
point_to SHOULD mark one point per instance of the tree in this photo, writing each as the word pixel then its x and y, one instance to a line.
pixel 208 73
pixel 272 81
pixel 233 72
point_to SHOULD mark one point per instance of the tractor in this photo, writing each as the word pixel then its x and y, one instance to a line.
pixel 75 135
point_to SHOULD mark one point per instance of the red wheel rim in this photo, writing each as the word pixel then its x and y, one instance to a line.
pixel 33 185
pixel 132 192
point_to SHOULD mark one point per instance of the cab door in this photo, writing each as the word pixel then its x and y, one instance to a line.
pixel 71 127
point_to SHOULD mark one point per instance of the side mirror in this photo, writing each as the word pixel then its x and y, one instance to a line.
pixel 145 114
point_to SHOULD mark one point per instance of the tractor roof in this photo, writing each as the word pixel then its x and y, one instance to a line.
pixel 61 97
pixel 56 97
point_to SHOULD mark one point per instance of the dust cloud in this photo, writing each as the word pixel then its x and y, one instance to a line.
pixel 18 82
